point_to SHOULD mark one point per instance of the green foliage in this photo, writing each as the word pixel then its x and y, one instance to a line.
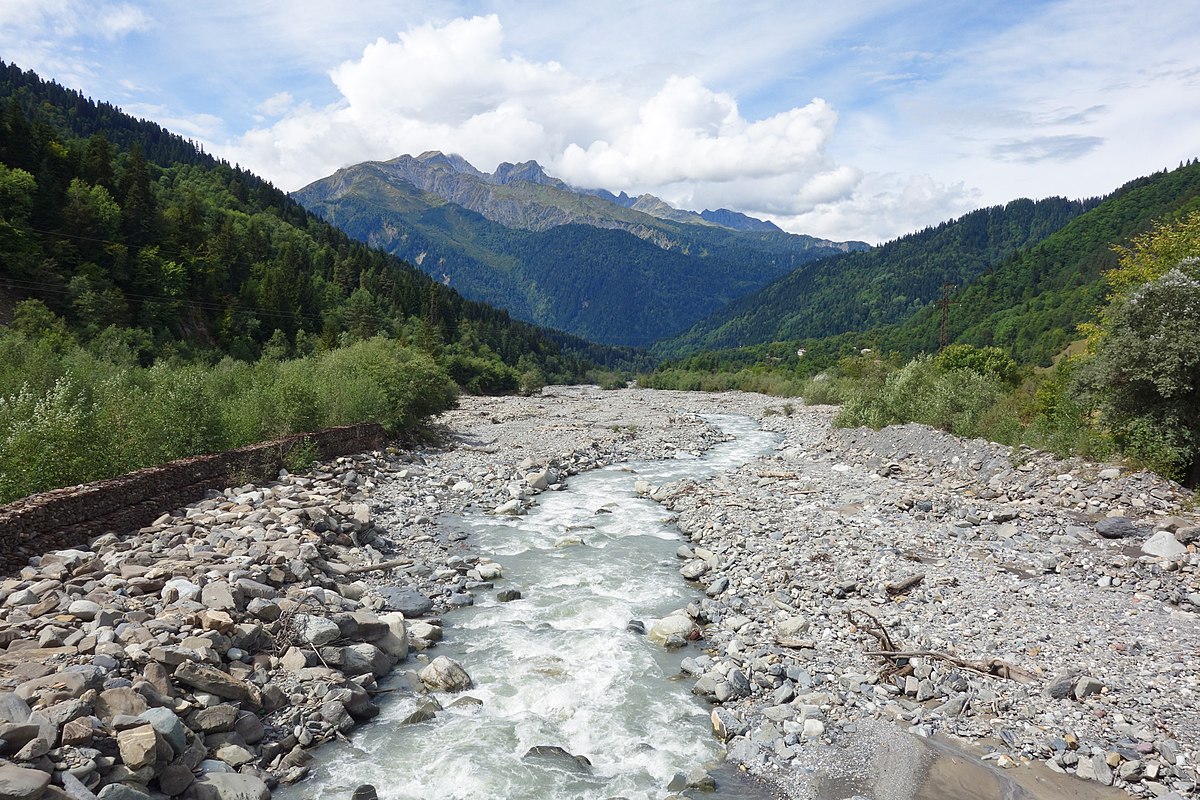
pixel 857 291
pixel 1027 276
pixel 960 401
pixel 47 439
pixel 480 372
pixel 989 362
pixel 1057 419
pixel 747 380
pixel 1145 374
pixel 72 417
pixel 113 222
pixel 302 455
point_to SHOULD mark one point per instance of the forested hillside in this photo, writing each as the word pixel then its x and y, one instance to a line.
pixel 131 233
pixel 559 257
pixel 156 302
pixel 1026 298
pixel 1032 302
pixel 859 291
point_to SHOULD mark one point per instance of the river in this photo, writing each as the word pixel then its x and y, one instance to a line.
pixel 559 666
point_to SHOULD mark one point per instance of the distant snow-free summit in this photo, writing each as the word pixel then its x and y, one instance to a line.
pixel 611 267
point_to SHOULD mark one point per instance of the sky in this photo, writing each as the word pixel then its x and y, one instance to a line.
pixel 855 120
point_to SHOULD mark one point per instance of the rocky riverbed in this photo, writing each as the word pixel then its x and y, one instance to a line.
pixel 1046 610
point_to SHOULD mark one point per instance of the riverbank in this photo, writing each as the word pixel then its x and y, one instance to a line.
pixel 1045 611
pixel 206 655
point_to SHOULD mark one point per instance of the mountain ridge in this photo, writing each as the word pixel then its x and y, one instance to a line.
pixel 518 238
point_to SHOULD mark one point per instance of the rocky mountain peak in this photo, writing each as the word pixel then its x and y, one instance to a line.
pixel 434 159
pixel 528 171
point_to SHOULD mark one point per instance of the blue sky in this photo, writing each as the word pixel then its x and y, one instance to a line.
pixel 860 120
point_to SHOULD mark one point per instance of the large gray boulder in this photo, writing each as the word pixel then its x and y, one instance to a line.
pixel 228 786
pixel 1116 528
pixel 406 600
pixel 1164 545
pixel 316 630
pixel 19 783
pixel 395 641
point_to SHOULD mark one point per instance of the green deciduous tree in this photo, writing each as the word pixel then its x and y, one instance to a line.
pixel 1145 376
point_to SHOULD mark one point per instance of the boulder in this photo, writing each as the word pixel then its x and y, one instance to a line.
pixel 168 726
pixel 790 628
pixel 138 746
pixel 726 724
pixel 406 600
pixel 446 675
pixel 316 630
pixel 395 641
pixel 175 778
pixel 86 610
pixel 556 756
pixel 119 702
pixel 123 791
pixel 678 624
pixel 215 719
pixel 15 735
pixel 1164 545
pixel 218 597
pixel 19 783
pixel 13 708
pixel 228 786
pixel 212 680
pixel 78 732
pixel 1116 528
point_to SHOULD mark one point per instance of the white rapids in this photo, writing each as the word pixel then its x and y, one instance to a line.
pixel 557 667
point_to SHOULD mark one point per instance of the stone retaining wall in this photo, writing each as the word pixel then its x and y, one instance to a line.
pixel 71 516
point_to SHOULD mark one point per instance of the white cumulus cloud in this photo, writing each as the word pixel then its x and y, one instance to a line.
pixel 456 87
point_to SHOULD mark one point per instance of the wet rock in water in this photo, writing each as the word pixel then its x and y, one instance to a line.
pixel 406 600
pixel 677 626
pixel 365 792
pixel 508 595
pixel 427 708
pixel 445 675
pixel 636 626
pixel 557 756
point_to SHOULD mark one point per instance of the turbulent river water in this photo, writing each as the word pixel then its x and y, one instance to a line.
pixel 558 667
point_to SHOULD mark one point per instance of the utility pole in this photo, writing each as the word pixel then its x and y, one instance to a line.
pixel 944 304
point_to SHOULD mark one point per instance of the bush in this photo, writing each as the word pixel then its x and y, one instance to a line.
pixel 989 362
pixel 47 439
pixel 69 417
pixel 1145 374
pixel 959 401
